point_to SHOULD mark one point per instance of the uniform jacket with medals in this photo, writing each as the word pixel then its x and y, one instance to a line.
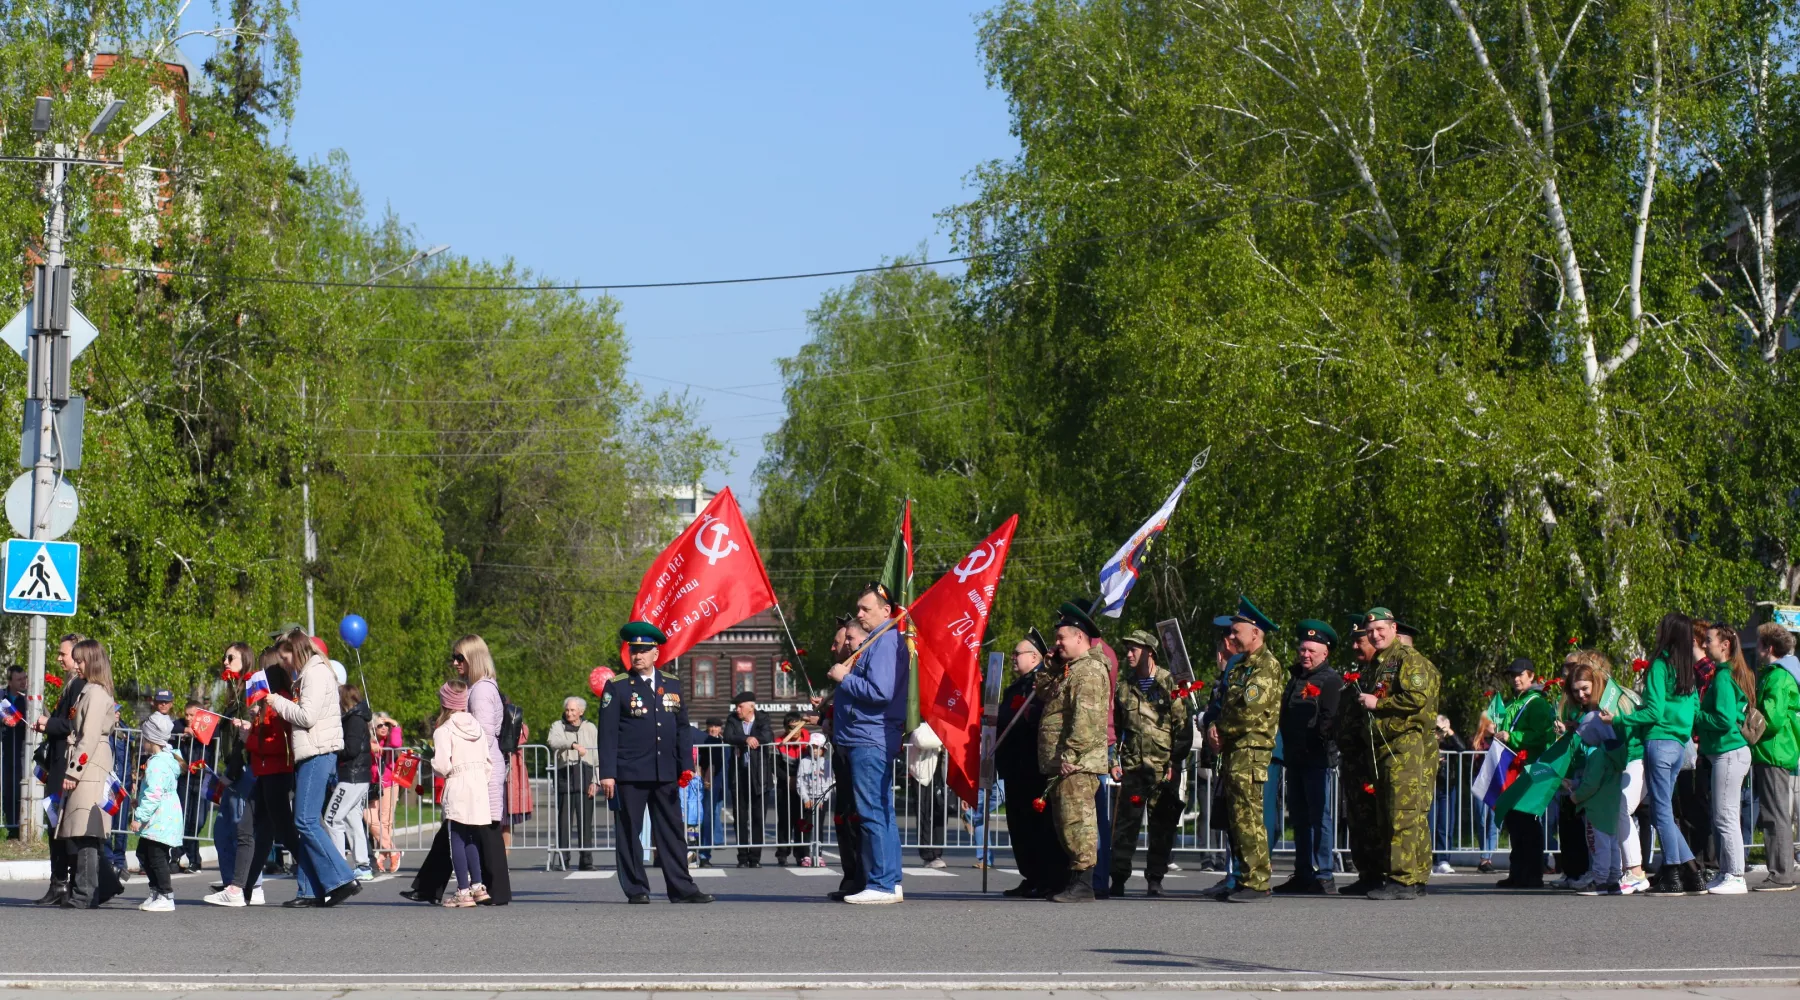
pixel 1250 704
pixel 1154 726
pixel 1406 686
pixel 1077 714
pixel 644 731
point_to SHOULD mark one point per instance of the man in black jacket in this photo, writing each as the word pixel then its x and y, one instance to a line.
pixel 749 736
pixel 53 753
pixel 1036 850
pixel 1308 716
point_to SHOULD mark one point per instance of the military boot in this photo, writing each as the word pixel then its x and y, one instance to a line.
pixel 1153 887
pixel 1360 887
pixel 1397 890
pixel 1117 888
pixel 1080 888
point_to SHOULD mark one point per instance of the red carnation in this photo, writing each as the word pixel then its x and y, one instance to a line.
pixel 1137 800
pixel 1640 665
pixel 686 777
pixel 1039 804
pixel 1311 691
pixel 1574 640
pixel 51 680
pixel 1489 693
pixel 1353 676
pixel 1368 788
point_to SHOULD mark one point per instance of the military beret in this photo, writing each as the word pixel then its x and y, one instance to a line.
pixel 1144 638
pixel 641 634
pixel 1252 615
pixel 1075 615
pixel 1036 638
pixel 1314 630
pixel 743 696
pixel 1380 615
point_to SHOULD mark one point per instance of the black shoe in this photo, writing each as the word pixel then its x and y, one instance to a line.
pixel 638 897
pixel 1397 890
pixel 218 886
pixel 1516 882
pixel 1153 887
pixel 301 903
pixel 53 896
pixel 1486 868
pixel 1080 890
pixel 1117 887
pixel 1245 894
pixel 417 896
pixel 1360 887
pixel 335 896
pixel 587 867
pixel 1298 886
pixel 1024 890
pixel 1220 889
pixel 692 897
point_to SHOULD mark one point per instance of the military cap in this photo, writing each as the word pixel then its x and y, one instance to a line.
pixel 743 696
pixel 1036 638
pixel 1380 615
pixel 1406 629
pixel 1075 614
pixel 1358 625
pixel 1314 630
pixel 1522 665
pixel 1222 621
pixel 1252 615
pixel 641 634
pixel 1144 638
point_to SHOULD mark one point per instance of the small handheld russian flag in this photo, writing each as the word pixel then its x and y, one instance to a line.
pixel 256 688
pixel 40 774
pixel 214 785
pixel 115 795
pixel 9 713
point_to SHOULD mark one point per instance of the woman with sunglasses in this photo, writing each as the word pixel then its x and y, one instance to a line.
pixel 474 665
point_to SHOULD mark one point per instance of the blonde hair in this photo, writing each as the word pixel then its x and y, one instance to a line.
pixel 474 651
pixel 96 668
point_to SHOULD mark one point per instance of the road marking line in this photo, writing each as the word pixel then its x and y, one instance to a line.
pixel 576 875
pixel 706 873
pixel 811 871
pixel 929 871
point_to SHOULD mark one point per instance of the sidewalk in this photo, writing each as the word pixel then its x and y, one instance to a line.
pixel 451 993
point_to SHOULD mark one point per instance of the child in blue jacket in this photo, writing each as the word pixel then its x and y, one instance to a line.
pixel 157 820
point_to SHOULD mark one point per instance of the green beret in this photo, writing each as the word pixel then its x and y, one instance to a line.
pixel 1251 614
pixel 1358 625
pixel 1075 615
pixel 641 634
pixel 1380 615
pixel 1314 630
pixel 1144 638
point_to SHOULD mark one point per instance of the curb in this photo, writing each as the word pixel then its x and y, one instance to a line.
pixel 766 985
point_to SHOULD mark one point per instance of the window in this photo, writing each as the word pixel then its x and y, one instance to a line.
pixel 743 674
pixel 684 505
pixel 786 685
pixel 703 677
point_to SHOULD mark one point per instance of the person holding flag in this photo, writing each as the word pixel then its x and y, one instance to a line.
pixel 88 780
pixel 157 820
pixel 1526 724
pixel 1403 708
pixel 867 717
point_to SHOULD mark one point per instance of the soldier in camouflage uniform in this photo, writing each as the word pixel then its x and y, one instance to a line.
pixel 1359 793
pixel 1250 708
pixel 1402 711
pixel 1155 734
pixel 1072 744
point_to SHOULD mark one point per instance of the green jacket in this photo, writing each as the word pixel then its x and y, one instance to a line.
pixel 1409 697
pixel 1250 705
pixel 1598 790
pixel 1664 715
pixel 1073 728
pixel 1778 698
pixel 1529 724
pixel 1153 727
pixel 1721 709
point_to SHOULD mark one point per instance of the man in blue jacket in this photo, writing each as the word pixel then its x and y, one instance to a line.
pixel 868 716
pixel 646 753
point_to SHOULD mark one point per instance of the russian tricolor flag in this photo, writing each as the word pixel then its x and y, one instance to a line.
pixel 256 688
pixel 115 796
pixel 1498 769
pixel 9 714
pixel 213 784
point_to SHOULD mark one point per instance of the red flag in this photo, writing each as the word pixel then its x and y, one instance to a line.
pixel 950 620
pixel 707 580
pixel 203 725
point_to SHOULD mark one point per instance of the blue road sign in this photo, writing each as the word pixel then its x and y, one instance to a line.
pixel 42 578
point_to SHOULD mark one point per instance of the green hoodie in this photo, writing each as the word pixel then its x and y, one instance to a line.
pixel 1664 715
pixel 1778 697
pixel 1721 709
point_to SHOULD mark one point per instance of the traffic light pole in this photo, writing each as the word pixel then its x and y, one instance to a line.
pixel 43 483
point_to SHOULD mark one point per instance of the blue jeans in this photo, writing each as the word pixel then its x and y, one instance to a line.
pixel 1103 815
pixel 872 784
pixel 1309 808
pixel 1662 764
pixel 319 865
pixel 1443 820
pixel 225 822
pixel 1484 822
pixel 1272 804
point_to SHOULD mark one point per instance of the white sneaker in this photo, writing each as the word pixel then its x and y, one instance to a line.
pixel 873 897
pixel 231 895
pixel 1174 867
pixel 1442 868
pixel 1728 885
pixel 256 896
pixel 1629 885
pixel 899 893
pixel 936 863
pixel 363 874
pixel 159 903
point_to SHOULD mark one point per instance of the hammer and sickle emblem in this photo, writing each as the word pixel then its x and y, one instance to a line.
pixel 722 545
pixel 973 563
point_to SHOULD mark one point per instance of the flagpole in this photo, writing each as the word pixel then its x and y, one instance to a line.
pixel 796 648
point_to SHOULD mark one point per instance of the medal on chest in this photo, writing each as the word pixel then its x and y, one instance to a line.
pixel 671 701
pixel 636 705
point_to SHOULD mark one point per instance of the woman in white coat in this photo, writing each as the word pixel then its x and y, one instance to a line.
pixel 460 756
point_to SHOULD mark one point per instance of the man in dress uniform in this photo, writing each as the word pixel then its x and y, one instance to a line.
pixel 1402 709
pixel 1072 744
pixel 1308 716
pixel 646 753
pixel 1042 864
pixel 1249 710
pixel 1156 732
pixel 1361 800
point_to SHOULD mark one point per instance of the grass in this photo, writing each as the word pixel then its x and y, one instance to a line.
pixel 24 850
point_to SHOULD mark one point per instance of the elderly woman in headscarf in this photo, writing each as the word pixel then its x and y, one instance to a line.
pixel 574 748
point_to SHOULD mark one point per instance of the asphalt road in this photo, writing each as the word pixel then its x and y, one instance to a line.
pixel 772 928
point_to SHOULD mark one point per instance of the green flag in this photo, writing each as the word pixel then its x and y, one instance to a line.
pixel 1536 786
pixel 897 577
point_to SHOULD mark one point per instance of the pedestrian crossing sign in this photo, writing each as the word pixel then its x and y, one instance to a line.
pixel 42 578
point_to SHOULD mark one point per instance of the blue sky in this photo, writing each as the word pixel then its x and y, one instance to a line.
pixel 653 142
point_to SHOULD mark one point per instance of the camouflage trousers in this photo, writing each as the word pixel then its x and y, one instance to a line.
pixel 1408 767
pixel 1364 816
pixel 1077 824
pixel 1245 773
pixel 1142 791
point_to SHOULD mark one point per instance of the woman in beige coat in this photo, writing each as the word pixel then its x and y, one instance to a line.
pixel 85 821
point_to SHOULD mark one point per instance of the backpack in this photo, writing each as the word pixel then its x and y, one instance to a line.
pixel 512 723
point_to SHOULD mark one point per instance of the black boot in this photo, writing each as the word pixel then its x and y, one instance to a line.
pixel 58 889
pixel 1692 883
pixel 1080 888
pixel 1153 887
pixel 1118 886
pixel 1666 883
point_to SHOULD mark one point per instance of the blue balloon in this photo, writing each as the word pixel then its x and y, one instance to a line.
pixel 353 630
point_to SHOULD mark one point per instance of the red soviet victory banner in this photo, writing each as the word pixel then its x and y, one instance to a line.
pixel 950 620
pixel 707 580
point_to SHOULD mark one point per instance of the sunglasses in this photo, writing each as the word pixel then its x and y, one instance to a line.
pixel 457 658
